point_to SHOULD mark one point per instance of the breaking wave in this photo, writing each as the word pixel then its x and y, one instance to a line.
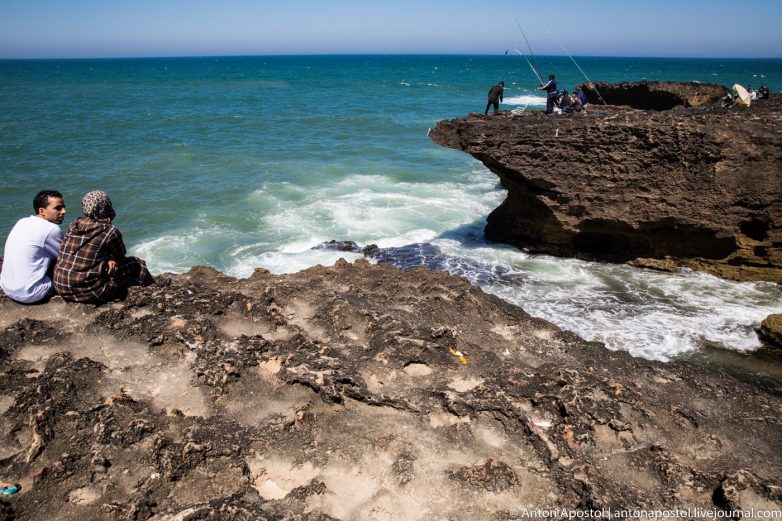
pixel 525 100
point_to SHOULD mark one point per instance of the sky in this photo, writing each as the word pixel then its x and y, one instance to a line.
pixel 140 28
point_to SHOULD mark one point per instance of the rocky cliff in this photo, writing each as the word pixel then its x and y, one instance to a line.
pixel 354 392
pixel 662 177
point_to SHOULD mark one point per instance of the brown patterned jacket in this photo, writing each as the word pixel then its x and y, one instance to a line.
pixel 81 270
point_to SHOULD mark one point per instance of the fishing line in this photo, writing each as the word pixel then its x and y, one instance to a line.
pixel 534 60
pixel 579 68
pixel 530 65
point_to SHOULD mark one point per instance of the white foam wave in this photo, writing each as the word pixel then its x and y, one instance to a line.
pixel 650 314
pixel 292 219
pixel 410 237
pixel 654 315
pixel 176 252
pixel 377 209
pixel 525 100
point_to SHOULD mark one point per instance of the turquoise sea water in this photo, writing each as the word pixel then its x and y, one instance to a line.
pixel 251 161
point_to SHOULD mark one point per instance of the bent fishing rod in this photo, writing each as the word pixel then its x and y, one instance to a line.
pixel 579 68
pixel 534 60
pixel 530 65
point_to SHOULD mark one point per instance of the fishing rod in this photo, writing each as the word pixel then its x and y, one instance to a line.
pixel 579 68
pixel 534 60
pixel 530 65
pixel 758 79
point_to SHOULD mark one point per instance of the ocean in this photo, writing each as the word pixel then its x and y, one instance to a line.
pixel 245 162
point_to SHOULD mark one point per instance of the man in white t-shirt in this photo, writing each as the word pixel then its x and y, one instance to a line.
pixel 31 250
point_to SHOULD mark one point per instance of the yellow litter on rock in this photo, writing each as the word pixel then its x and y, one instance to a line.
pixel 459 355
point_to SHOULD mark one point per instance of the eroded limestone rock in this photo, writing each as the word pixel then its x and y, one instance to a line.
pixel 696 187
pixel 333 393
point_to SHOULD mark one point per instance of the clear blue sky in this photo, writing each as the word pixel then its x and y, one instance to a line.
pixel 107 28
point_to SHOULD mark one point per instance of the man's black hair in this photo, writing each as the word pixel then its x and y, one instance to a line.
pixel 42 198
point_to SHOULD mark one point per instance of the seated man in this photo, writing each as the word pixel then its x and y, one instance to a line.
pixel 31 249
pixel 575 104
pixel 92 267
pixel 563 101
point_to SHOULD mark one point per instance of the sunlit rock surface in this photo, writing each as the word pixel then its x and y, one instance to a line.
pixel 357 391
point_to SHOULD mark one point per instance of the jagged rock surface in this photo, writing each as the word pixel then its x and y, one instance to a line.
pixel 335 393
pixel 697 187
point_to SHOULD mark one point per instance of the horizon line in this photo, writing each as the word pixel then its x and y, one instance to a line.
pixel 305 55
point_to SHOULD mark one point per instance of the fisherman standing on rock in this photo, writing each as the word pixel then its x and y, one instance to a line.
pixel 495 97
pixel 551 89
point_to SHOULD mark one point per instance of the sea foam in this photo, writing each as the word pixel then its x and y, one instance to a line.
pixel 525 100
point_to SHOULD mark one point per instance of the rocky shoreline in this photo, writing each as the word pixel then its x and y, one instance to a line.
pixel 663 177
pixel 365 392
pixel 357 391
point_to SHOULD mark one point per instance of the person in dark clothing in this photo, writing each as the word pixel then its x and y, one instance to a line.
pixel 728 101
pixel 582 96
pixel 495 97
pixel 92 266
pixel 575 103
pixel 551 89
pixel 763 92
pixel 563 101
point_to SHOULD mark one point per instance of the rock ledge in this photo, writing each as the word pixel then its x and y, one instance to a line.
pixel 334 393
pixel 697 187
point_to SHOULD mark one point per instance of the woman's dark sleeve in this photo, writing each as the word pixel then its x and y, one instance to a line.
pixel 116 247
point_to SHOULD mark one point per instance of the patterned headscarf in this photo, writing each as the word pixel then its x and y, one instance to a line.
pixel 97 205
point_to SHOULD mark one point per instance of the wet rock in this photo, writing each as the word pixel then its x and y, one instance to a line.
pixel 370 250
pixel 771 330
pixel 339 246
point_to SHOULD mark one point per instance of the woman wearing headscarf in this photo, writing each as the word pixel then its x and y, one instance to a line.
pixel 92 266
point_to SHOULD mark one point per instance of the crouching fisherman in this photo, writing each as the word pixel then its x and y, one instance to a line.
pixel 31 250
pixel 93 267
